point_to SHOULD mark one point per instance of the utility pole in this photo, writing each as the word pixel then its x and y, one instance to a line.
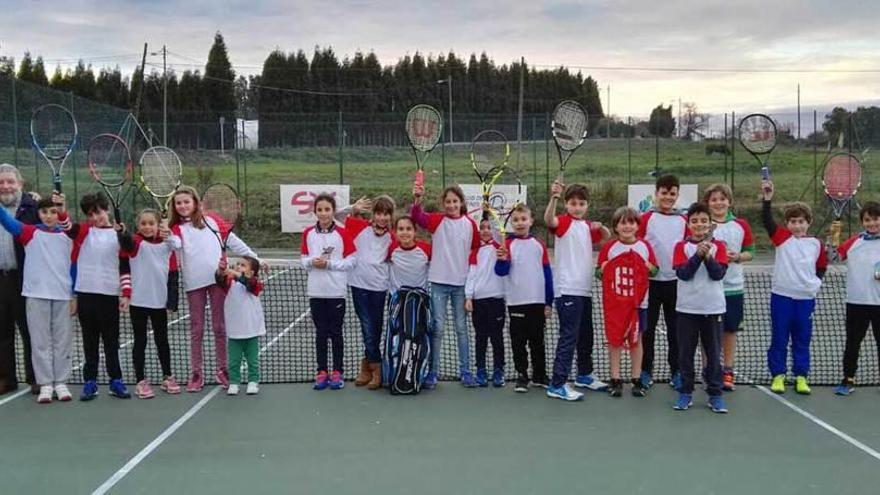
pixel 448 81
pixel 678 127
pixel 608 115
pixel 164 54
pixel 799 111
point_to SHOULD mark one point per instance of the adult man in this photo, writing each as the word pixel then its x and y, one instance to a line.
pixel 12 304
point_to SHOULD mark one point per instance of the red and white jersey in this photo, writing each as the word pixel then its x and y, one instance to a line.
pixel 409 266
pixel 525 284
pixel 737 236
pixel 96 254
pixel 149 262
pixel 482 282
pixel 797 260
pixel 663 231
pixel 327 282
pixel 700 295
pixel 452 240
pixel 862 256
pixel 46 264
pixel 573 254
pixel 370 271
pixel 243 312
pixel 200 252
pixel 615 248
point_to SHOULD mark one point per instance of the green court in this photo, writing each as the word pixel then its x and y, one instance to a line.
pixel 290 439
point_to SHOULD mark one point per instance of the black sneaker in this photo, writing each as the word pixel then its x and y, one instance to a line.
pixel 638 389
pixel 522 384
pixel 615 389
pixel 542 382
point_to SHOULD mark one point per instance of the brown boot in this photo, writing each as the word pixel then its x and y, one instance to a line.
pixel 364 376
pixel 376 371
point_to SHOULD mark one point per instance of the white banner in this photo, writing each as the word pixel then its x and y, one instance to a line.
pixel 297 202
pixel 641 196
pixel 503 197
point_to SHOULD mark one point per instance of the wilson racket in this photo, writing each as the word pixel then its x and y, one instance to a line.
pixel 110 166
pixel 54 135
pixel 489 154
pixel 569 129
pixel 424 125
pixel 160 175
pixel 222 201
pixel 841 179
pixel 757 134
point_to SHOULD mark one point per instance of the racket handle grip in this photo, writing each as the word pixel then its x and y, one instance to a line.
pixel 56 184
pixel 117 215
pixel 420 178
pixel 835 233
pixel 765 173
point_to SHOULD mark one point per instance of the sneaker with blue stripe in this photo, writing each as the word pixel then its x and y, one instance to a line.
pixel 846 387
pixel 564 392
pixel 590 382
pixel 647 380
pixel 717 405
pixel 430 381
pixel 684 402
pixel 675 383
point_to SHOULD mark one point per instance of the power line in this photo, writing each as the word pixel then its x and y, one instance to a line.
pixel 622 68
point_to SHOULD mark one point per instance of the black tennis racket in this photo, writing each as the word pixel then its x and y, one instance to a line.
pixel 110 166
pixel 757 134
pixel 424 125
pixel 222 200
pixel 569 129
pixel 54 135
pixel 160 175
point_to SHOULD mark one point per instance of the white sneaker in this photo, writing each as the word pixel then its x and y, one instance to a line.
pixel 62 392
pixel 233 389
pixel 565 392
pixel 45 396
pixel 590 382
pixel 253 388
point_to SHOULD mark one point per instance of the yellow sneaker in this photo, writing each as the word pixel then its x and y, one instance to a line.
pixel 801 385
pixel 778 384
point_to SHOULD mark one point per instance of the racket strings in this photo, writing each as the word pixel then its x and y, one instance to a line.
pixel 223 201
pixel 161 172
pixel 109 161
pixel 842 178
pixel 758 134
pixel 54 131
pixel 423 127
pixel 569 125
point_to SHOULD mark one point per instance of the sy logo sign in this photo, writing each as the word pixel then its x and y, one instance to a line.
pixel 303 201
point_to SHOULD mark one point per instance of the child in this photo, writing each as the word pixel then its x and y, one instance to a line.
pixel 625 223
pixel 454 235
pixel 862 255
pixel 662 227
pixel 369 281
pixel 528 290
pixel 736 234
pixel 47 288
pixel 244 321
pixel 797 275
pixel 484 293
pixel 700 263
pixel 326 255
pixel 97 285
pixel 151 288
pixel 409 259
pixel 199 256
pixel 575 238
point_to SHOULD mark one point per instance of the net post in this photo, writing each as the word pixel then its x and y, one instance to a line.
pixel 236 143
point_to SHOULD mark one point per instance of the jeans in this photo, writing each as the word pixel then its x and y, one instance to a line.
pixel 706 329
pixel 369 305
pixel 441 296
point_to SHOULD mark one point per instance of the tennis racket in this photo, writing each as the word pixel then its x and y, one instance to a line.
pixel 110 166
pixel 54 135
pixel 841 179
pixel 424 125
pixel 222 201
pixel 569 129
pixel 160 175
pixel 489 155
pixel 757 134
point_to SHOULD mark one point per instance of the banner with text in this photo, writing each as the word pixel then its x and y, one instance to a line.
pixel 502 198
pixel 297 201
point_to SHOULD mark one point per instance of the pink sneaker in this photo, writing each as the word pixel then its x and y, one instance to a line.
pixel 322 379
pixel 169 385
pixel 196 382
pixel 336 381
pixel 223 378
pixel 144 390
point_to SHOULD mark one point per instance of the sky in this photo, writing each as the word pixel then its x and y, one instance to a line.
pixel 608 39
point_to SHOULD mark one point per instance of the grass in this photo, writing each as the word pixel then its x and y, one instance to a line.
pixel 606 166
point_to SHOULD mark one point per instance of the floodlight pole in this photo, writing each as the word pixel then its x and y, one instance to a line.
pixel 448 81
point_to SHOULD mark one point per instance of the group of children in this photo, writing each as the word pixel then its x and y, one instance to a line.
pixel 689 265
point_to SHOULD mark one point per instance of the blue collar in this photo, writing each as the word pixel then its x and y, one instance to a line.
pixel 869 237
pixel 322 230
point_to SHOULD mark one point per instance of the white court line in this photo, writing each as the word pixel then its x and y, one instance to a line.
pixel 159 440
pixel 16 395
pixel 815 419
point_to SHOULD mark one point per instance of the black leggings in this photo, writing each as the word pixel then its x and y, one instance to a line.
pixel 159 320
pixel 99 319
pixel 661 294
pixel 858 317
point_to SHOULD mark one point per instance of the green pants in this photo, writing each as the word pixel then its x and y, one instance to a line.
pixel 249 350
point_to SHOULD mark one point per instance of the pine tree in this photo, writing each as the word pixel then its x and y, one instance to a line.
pixel 218 79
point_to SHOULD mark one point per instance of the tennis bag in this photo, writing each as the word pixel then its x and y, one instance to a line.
pixel 407 341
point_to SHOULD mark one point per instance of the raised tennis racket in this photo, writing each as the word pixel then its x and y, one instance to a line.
pixel 757 134
pixel 110 166
pixel 424 125
pixel 54 135
pixel 569 129
pixel 841 179
pixel 160 175
pixel 222 200
pixel 489 154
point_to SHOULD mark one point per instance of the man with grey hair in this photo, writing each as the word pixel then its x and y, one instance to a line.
pixel 12 305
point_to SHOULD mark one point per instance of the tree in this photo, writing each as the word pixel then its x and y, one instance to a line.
pixel 693 122
pixel 661 122
pixel 836 123
pixel 219 76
